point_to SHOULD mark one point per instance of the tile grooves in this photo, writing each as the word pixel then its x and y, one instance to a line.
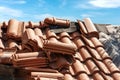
pixel 34 48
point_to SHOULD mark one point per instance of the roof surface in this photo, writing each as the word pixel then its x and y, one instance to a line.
pixel 55 49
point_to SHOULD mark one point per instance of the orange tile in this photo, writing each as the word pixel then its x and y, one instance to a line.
pixel 33 24
pixel 68 77
pixel 15 28
pixel 12 44
pixel 103 53
pixel 103 68
pixel 92 66
pixel 1 32
pixel 44 78
pixel 75 35
pixel 107 77
pixel 38 32
pixel 6 56
pixel 26 48
pixel 82 27
pixel 92 31
pixel 39 43
pixel 98 76
pixel 87 69
pixel 31 39
pixel 12 27
pixel 1 44
pixel 85 54
pixel 116 75
pixel 51 35
pixel 28 35
pixel 1 24
pixel 96 42
pixel 42 24
pixel 71 70
pixel 21 29
pixel 47 75
pixel 5 24
pixel 48 55
pixel 94 53
pixel 111 66
pixel 35 69
pixel 77 40
pixel 62 63
pixel 78 67
pixel 59 47
pixel 30 62
pixel 87 41
pixel 78 56
pixel 28 55
pixel 56 21
pixel 83 76
pixel 26 24
pixel 64 36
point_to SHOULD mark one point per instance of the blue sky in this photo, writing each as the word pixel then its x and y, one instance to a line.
pixel 100 11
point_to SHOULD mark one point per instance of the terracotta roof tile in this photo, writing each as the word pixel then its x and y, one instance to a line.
pixel 1 24
pixel 6 56
pixel 59 47
pixel 51 35
pixel 56 21
pixel 65 37
pixel 1 32
pixel 102 53
pixel 15 29
pixel 79 70
pixel 82 27
pixel 94 53
pixel 102 67
pixel 12 44
pixel 38 32
pixel 47 74
pixel 77 40
pixel 33 24
pixel 1 44
pixel 98 76
pixel 87 41
pixel 4 24
pixel 91 30
pixel 83 76
pixel 68 77
pixel 41 52
pixel 78 56
pixel 96 42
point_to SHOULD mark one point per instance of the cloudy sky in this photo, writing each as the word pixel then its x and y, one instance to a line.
pixel 100 11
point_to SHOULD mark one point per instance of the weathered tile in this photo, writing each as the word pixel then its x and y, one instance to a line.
pixel 56 21
pixel 91 29
pixel 43 54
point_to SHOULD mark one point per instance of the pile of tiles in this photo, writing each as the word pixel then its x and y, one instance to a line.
pixel 55 49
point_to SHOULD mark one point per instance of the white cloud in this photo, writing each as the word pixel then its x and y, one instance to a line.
pixel 10 12
pixel 92 14
pixel 83 5
pixel 105 3
pixel 6 13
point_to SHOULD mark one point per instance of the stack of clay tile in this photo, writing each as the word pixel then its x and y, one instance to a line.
pixel 38 53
